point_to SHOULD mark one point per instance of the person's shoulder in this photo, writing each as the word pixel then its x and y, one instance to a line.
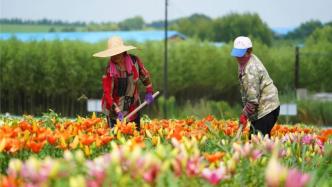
pixel 256 62
pixel 252 61
pixel 134 58
pixel 253 65
pixel 254 58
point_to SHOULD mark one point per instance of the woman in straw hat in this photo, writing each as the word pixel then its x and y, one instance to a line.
pixel 120 82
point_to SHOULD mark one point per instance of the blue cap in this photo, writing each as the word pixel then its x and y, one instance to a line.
pixel 238 52
pixel 241 44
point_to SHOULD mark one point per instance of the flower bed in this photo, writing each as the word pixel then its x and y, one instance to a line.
pixel 189 152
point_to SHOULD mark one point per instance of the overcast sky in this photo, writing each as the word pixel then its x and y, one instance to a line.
pixel 276 13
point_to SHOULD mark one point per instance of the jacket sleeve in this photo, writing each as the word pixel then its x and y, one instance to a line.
pixel 251 89
pixel 107 91
pixel 144 76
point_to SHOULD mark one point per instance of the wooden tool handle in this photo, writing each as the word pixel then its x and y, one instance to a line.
pixel 140 107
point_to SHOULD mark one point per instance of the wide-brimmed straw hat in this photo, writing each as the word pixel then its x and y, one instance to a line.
pixel 115 46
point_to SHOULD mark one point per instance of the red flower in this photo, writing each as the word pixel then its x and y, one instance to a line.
pixel 87 140
pixel 35 147
pixel 52 139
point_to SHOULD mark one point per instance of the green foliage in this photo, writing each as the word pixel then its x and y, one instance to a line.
pixel 44 21
pixel 38 28
pixel 197 25
pixel 199 109
pixel 224 28
pixel 315 112
pixel 102 27
pixel 304 30
pixel 196 70
pixel 135 23
pixel 230 26
pixel 50 69
pixel 315 60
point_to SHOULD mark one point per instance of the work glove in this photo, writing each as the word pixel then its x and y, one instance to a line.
pixel 243 120
pixel 149 98
pixel 120 116
pixel 119 113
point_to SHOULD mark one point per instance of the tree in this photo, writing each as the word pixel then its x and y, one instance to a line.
pixel 109 26
pixel 304 30
pixel 328 24
pixel 156 24
pixel 52 29
pixel 197 25
pixel 316 60
pixel 230 26
pixel 135 23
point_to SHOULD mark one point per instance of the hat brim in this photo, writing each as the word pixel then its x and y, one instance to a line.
pixel 238 52
pixel 113 51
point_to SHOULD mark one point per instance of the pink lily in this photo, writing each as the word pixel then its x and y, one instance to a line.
pixel 214 176
pixel 256 154
pixel 307 139
pixel 152 173
pixel 192 168
pixel 296 179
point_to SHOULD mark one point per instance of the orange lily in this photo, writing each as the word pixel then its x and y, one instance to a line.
pixel 86 140
pixel 35 147
pixel 214 157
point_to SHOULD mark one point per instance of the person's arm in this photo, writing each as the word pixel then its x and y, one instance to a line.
pixel 144 76
pixel 251 85
pixel 107 91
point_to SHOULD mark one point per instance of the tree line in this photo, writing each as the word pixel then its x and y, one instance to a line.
pixel 220 29
pixel 43 21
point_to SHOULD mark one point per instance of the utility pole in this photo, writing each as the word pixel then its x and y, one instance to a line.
pixel 297 67
pixel 165 63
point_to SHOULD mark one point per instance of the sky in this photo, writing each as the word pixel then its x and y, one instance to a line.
pixel 276 13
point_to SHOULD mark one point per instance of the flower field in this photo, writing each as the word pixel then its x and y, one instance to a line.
pixel 53 151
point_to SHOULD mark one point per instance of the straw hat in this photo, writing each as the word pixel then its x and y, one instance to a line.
pixel 115 46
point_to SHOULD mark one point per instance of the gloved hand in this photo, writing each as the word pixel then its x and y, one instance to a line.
pixel 243 120
pixel 119 113
pixel 149 98
pixel 120 116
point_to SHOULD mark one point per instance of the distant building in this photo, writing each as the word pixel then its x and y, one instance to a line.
pixel 93 37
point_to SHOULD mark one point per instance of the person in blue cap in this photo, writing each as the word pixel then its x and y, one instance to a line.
pixel 259 95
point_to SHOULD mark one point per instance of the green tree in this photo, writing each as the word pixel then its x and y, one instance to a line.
pixel 109 26
pixel 328 24
pixel 135 23
pixel 197 25
pixel 230 26
pixel 304 30
pixel 316 60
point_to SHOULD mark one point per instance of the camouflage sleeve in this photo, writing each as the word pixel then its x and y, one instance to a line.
pixel 251 85
pixel 242 97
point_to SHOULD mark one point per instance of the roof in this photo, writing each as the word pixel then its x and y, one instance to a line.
pixel 92 37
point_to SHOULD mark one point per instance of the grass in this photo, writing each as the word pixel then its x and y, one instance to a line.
pixel 35 28
pixel 318 113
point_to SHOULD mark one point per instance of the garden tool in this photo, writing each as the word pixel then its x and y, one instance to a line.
pixel 140 107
